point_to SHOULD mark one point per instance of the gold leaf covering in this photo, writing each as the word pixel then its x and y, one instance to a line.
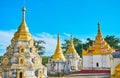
pixel 99 46
pixel 58 52
pixel 23 32
pixel 71 48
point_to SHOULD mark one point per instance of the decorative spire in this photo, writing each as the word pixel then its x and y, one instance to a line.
pixel 71 48
pixel 58 52
pixel 23 10
pixel 99 45
pixel 99 32
pixel 23 32
pixel 23 26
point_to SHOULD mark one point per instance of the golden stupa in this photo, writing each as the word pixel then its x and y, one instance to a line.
pixel 58 52
pixel 23 31
pixel 21 59
pixel 71 49
pixel 99 46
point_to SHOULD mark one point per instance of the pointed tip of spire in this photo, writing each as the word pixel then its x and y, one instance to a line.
pixel 58 42
pixel 70 38
pixel 98 26
pixel 58 36
pixel 99 31
pixel 98 23
pixel 24 9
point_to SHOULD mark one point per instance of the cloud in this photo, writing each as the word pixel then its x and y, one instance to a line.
pixel 5 38
pixel 50 40
pixel 66 34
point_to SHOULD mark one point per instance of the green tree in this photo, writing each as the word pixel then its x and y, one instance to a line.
pixel 113 41
pixel 39 45
pixel 78 45
pixel 88 42
pixel 65 45
pixel 45 60
pixel 1 58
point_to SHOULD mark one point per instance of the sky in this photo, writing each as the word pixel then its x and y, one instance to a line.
pixel 47 18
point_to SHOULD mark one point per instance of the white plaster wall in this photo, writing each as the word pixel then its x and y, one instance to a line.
pixel 91 61
pixel 106 61
pixel 48 66
pixel 29 73
pixel 74 61
pixel 97 59
pixel 28 60
pixel 59 67
pixel 87 61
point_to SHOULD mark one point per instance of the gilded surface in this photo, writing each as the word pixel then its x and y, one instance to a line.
pixel 22 55
pixel 58 52
pixel 117 72
pixel 71 48
pixel 99 46
pixel 23 32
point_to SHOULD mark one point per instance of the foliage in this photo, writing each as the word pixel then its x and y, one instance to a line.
pixel 65 45
pixel 39 45
pixel 113 41
pixel 89 42
pixel 1 58
pixel 45 60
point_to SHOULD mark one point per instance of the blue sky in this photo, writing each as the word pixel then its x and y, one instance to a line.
pixel 47 18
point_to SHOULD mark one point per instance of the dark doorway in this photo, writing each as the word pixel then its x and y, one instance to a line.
pixel 21 74
pixel 97 64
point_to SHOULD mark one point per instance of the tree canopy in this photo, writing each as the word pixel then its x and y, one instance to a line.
pixel 39 45
pixel 111 40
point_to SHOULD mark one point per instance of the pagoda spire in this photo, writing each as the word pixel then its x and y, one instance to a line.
pixel 23 31
pixel 23 25
pixel 99 31
pixel 71 48
pixel 23 11
pixel 99 45
pixel 58 52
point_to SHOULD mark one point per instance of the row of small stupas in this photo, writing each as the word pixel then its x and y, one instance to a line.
pixel 96 57
pixel 21 59
pixel 61 64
